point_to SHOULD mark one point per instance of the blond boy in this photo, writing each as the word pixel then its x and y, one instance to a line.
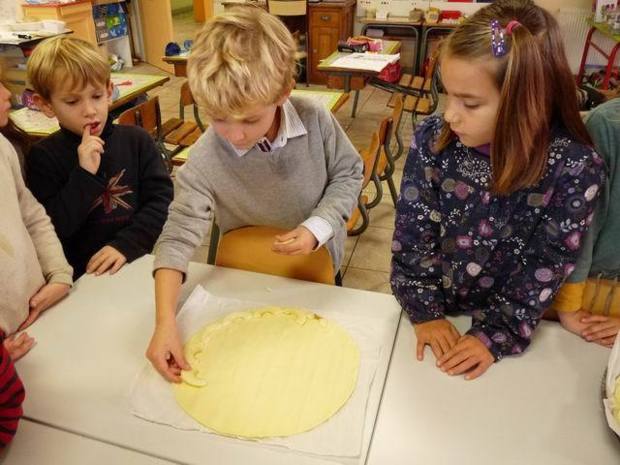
pixel 266 159
pixel 104 186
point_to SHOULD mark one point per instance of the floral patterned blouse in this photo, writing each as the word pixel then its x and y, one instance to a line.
pixel 457 248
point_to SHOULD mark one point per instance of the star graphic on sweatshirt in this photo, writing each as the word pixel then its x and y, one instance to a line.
pixel 112 197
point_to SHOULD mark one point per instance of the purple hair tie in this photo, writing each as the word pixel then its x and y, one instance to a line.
pixel 498 41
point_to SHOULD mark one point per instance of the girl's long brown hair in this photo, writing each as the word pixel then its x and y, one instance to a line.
pixel 536 87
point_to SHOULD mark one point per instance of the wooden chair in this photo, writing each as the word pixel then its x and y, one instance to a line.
pixel 147 115
pixel 249 248
pixel 294 14
pixel 394 134
pixel 178 131
pixel 426 102
pixel 175 131
pixel 369 157
pixel 385 166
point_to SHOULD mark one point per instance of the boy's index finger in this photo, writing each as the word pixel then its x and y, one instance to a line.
pixel 85 132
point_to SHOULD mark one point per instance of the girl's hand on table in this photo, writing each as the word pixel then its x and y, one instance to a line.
pixel 469 356
pixel 441 335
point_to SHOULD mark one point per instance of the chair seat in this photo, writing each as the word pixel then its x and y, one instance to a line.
pixel 174 137
pixel 170 125
pixel 419 105
pixel 412 82
pixel 249 248
pixel 191 138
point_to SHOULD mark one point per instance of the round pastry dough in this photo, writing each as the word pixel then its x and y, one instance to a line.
pixel 268 372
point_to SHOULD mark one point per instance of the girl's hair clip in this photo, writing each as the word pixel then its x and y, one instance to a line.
pixel 498 40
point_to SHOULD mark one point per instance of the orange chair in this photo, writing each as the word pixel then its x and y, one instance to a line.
pixel 249 248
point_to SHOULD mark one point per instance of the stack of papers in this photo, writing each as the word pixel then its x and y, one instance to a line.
pixel 365 61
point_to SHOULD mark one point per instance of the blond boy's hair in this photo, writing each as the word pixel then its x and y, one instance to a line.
pixel 240 59
pixel 66 59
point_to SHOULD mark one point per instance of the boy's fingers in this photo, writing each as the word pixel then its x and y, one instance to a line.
pixel 286 236
pixel 105 265
pixel 117 265
pixel 177 357
pixel 86 133
pixel 286 248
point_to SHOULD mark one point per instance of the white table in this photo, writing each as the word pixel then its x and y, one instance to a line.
pixel 36 444
pixel 542 408
pixel 86 392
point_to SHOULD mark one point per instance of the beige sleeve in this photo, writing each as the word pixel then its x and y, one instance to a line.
pixel 51 257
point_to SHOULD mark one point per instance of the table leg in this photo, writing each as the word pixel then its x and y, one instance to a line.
pixel 347 89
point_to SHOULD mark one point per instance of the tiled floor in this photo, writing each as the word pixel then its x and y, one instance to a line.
pixel 367 259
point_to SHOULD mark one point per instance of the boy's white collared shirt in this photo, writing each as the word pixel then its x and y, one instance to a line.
pixel 291 127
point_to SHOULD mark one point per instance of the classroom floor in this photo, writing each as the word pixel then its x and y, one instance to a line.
pixel 367 259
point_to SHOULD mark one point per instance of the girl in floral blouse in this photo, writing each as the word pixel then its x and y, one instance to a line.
pixel 496 195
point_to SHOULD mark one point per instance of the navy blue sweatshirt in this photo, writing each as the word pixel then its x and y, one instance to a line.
pixel 123 205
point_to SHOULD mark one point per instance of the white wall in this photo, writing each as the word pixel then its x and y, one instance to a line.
pixel 8 9
pixel 554 5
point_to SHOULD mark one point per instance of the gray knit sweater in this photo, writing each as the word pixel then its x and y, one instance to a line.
pixel 318 174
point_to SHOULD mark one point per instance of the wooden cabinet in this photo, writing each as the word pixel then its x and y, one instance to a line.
pixel 78 17
pixel 327 24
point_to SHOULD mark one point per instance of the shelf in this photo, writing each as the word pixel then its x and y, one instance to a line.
pixel 112 39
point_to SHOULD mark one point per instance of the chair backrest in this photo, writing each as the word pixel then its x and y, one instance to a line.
pixel 188 99
pixel 385 128
pixel 397 112
pixel 249 248
pixel 147 115
pixel 369 157
pixel 287 7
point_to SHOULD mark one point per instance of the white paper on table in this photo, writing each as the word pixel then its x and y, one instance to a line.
pixel 365 61
pixel 613 372
pixel 152 397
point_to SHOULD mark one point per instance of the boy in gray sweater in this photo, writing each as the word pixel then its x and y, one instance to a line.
pixel 266 159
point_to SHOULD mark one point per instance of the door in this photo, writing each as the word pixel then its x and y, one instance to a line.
pixel 324 41
pixel 156 24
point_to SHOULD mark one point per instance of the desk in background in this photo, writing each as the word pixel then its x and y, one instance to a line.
pixel 420 31
pixel 395 23
pixel 36 125
pixel 389 47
